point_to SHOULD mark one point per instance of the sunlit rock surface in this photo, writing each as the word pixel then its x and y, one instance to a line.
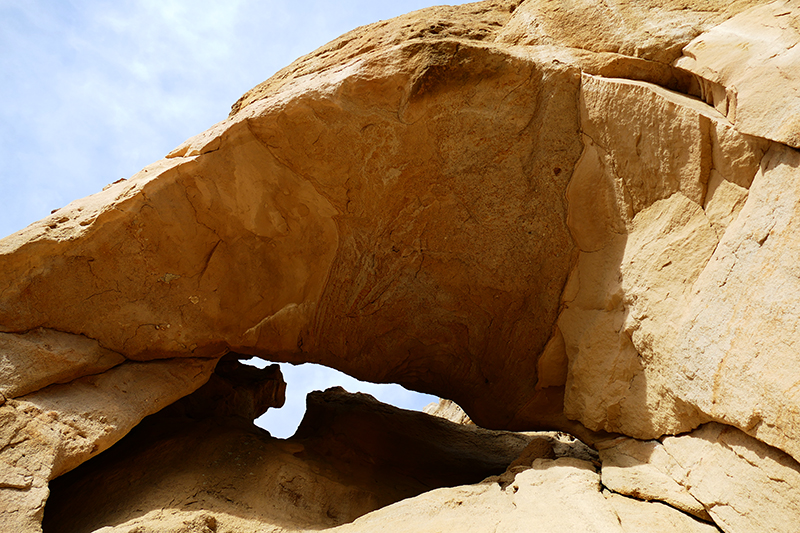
pixel 571 217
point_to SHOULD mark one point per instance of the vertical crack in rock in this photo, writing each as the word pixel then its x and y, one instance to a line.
pixel 640 263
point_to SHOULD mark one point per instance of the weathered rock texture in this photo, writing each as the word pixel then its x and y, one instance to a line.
pixel 744 68
pixel 575 216
pixel 551 495
pixel 448 410
pixel 47 433
pixel 400 217
pixel 351 455
pixel 743 484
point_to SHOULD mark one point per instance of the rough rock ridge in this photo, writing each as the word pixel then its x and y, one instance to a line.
pixel 571 216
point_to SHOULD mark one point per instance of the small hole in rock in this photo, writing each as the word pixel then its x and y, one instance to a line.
pixel 302 379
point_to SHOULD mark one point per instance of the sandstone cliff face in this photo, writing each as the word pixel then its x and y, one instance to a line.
pixel 575 217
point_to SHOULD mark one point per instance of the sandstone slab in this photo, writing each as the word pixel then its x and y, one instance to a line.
pixel 234 390
pixel 746 68
pixel 51 431
pixel 553 495
pixel 735 360
pixel 652 30
pixel 642 470
pixel 34 360
pixel 637 213
pixel 392 218
pixel 448 410
pixel 684 283
pixel 743 484
pixel 467 201
pixel 636 516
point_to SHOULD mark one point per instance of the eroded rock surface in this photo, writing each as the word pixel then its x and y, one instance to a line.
pixel 746 68
pixel 392 217
pixel 743 484
pixel 49 432
pixel 637 213
pixel 515 205
pixel 449 410
pixel 735 358
pixel 551 495
pixel 351 455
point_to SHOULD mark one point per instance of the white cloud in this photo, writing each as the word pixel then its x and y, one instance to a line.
pixel 93 91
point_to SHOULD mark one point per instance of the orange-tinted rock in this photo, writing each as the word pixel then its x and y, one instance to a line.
pixel 746 68
pixel 31 361
pixel 393 218
pixel 506 204
pixel 53 430
pixel 351 455
pixel 743 484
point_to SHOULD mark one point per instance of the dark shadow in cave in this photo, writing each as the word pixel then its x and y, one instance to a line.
pixel 203 454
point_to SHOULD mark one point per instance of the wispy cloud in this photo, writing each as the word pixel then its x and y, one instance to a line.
pixel 93 91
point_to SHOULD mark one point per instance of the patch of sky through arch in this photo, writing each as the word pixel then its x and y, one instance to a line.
pixel 302 379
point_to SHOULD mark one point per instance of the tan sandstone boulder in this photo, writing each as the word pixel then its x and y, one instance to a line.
pixel 688 324
pixel 388 217
pixel 31 361
pixel 448 410
pixel 642 469
pixel 636 210
pixel 49 432
pixel 549 496
pixel 735 359
pixel 743 484
pixel 651 30
pixel 377 208
pixel 747 69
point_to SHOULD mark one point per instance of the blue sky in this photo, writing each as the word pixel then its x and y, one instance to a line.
pixel 92 91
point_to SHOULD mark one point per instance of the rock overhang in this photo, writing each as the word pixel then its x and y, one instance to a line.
pixel 406 241
pixel 485 215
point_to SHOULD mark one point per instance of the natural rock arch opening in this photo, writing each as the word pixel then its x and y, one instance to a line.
pixel 209 465
pixel 554 237
pixel 305 378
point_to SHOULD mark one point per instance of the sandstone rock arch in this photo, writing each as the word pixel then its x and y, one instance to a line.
pixel 549 227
